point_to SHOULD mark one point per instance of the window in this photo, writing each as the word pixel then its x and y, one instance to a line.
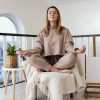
pixel 8 24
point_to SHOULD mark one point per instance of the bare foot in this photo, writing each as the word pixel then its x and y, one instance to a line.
pixel 53 69
pixel 65 71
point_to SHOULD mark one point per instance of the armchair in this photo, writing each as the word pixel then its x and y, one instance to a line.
pixel 52 84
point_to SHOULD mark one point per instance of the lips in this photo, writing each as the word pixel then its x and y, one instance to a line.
pixel 51 17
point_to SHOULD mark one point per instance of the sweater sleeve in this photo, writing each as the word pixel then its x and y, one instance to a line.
pixel 70 57
pixel 38 46
pixel 69 44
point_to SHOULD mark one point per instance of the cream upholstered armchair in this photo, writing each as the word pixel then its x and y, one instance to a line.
pixel 53 84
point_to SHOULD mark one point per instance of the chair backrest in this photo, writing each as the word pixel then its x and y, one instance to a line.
pixel 93 69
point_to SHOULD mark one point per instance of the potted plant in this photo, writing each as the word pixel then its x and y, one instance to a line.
pixel 11 58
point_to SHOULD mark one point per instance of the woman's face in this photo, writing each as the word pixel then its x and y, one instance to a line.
pixel 52 15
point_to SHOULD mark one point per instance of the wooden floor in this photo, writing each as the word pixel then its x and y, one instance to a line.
pixel 20 94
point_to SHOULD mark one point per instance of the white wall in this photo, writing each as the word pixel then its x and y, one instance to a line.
pixel 30 12
pixel 81 16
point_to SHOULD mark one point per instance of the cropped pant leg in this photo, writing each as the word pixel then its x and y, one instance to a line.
pixel 38 61
pixel 67 61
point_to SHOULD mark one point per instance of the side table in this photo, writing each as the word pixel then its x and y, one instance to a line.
pixel 13 70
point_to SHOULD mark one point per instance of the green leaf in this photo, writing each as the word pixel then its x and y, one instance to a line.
pixel 11 50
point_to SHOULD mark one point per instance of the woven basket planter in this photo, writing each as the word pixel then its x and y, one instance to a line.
pixel 11 61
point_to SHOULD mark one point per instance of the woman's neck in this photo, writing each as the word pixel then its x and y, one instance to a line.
pixel 53 24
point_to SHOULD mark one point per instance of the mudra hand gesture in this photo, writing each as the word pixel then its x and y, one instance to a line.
pixel 22 52
pixel 81 50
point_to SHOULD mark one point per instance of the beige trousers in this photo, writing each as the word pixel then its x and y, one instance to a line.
pixel 67 61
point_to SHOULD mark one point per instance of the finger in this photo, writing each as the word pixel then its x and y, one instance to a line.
pixel 38 70
pixel 20 49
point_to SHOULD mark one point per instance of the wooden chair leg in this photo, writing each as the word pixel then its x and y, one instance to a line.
pixel 36 92
pixel 71 95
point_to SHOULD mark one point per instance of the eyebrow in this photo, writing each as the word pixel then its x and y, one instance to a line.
pixel 53 11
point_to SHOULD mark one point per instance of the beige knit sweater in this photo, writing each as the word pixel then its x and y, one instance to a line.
pixel 53 44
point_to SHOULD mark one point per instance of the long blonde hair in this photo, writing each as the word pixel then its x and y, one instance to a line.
pixel 59 28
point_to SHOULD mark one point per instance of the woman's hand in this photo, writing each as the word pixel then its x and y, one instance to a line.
pixel 53 69
pixel 57 67
pixel 22 52
pixel 81 50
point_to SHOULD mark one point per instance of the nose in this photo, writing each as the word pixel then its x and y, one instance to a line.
pixel 52 14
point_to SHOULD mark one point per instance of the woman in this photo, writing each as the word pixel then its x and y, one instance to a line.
pixel 53 52
pixel 54 47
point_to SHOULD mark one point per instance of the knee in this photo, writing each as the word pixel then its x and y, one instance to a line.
pixel 73 57
pixel 33 58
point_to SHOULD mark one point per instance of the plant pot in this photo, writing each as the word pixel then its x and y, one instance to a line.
pixel 11 61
